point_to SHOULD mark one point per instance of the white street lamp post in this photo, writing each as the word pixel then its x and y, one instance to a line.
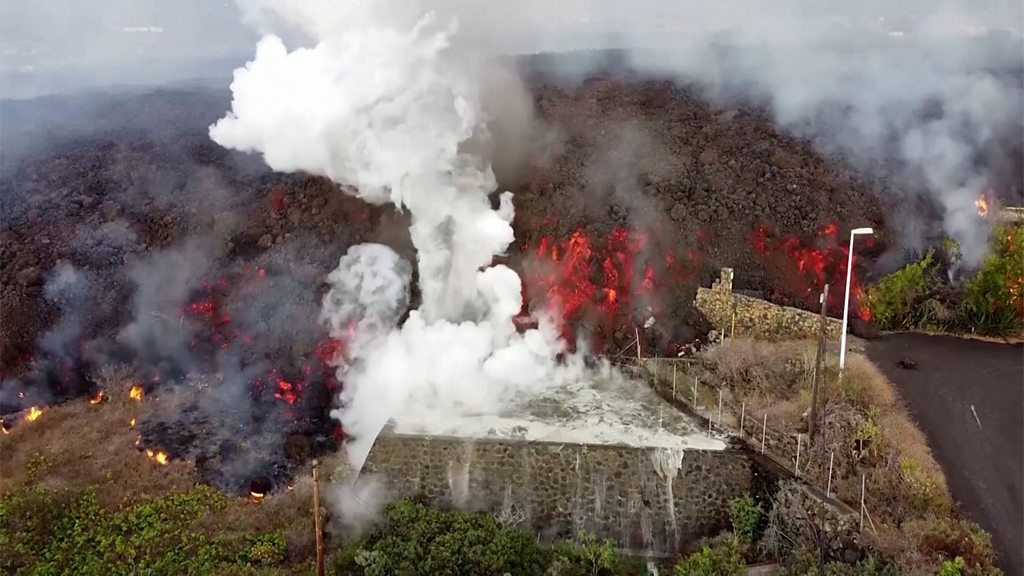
pixel 846 302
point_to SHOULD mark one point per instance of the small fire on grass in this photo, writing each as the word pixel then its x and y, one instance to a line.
pixel 98 398
pixel 258 489
pixel 135 392
pixel 33 414
pixel 981 203
pixel 131 423
pixel 158 456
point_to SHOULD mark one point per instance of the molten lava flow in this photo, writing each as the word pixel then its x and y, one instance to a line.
pixel 800 271
pixel 33 414
pixel 135 392
pixel 158 456
pixel 287 391
pixel 580 276
pixel 97 398
pixel 981 203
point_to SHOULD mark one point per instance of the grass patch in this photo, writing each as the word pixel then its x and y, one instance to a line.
pixel 867 430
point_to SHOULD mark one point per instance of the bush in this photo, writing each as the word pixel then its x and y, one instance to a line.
pixel 953 567
pixel 44 531
pixel 990 302
pixel 746 516
pixel 265 550
pixel 413 539
pixel 948 537
pixel 994 299
pixel 722 556
pixel 805 562
pixel 585 556
pixel 896 300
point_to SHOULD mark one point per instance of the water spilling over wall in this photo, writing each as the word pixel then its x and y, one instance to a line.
pixel 654 500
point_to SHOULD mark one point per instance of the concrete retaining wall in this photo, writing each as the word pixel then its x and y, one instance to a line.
pixel 757 318
pixel 648 499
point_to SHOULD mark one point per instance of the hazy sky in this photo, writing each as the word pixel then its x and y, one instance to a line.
pixel 51 45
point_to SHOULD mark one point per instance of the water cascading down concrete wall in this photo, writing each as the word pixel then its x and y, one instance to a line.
pixel 652 500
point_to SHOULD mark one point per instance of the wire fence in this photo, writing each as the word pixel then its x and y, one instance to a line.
pixel 677 381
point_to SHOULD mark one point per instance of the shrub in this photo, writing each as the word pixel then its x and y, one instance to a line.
pixel 722 556
pixel 950 537
pixel 805 562
pixel 45 531
pixel 895 301
pixel 994 298
pixel 989 302
pixel 746 516
pixel 953 567
pixel 413 539
pixel 587 555
pixel 264 550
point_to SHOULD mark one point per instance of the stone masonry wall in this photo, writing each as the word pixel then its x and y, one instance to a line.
pixel 647 499
pixel 757 318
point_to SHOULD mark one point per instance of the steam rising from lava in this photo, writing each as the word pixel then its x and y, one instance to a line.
pixel 387 109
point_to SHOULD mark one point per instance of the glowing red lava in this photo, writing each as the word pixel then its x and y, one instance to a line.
pixel 803 270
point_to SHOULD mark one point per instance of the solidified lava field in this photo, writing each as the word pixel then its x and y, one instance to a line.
pixel 124 224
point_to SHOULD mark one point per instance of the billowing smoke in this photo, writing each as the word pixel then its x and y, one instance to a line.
pixel 379 103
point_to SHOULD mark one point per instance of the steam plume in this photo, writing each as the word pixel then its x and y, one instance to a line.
pixel 380 104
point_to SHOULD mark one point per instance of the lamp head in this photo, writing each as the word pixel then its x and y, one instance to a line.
pixel 856 231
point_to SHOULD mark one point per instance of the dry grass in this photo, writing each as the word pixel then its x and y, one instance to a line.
pixel 864 424
pixel 78 445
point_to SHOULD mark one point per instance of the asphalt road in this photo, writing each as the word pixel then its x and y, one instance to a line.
pixel 968 398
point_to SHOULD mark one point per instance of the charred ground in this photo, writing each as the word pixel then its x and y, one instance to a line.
pixel 172 239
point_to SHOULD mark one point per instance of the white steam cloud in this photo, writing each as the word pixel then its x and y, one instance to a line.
pixel 382 97
pixel 380 104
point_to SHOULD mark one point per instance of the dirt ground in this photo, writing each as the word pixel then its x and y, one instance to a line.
pixel 968 397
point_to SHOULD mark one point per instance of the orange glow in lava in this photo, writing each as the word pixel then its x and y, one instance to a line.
pixel 981 203
pixel 97 398
pixel 158 456
pixel 287 391
pixel 33 414
pixel 801 270
pixel 135 392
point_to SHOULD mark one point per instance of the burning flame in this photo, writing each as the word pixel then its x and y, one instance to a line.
pixel 981 203
pixel 131 424
pixel 33 414
pixel 583 276
pixel 257 496
pixel 3 427
pixel 158 456
pixel 97 398
pixel 135 392
pixel 804 270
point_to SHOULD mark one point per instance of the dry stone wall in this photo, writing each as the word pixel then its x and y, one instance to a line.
pixel 648 499
pixel 757 318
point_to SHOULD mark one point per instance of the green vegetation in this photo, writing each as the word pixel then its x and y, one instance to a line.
pixel 722 556
pixel 805 562
pixel 746 516
pixel 919 295
pixel 44 531
pixel 864 430
pixel 413 539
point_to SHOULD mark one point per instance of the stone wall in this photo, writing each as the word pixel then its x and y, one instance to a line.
pixel 757 318
pixel 805 515
pixel 648 499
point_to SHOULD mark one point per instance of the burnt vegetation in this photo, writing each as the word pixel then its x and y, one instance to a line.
pixel 128 237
